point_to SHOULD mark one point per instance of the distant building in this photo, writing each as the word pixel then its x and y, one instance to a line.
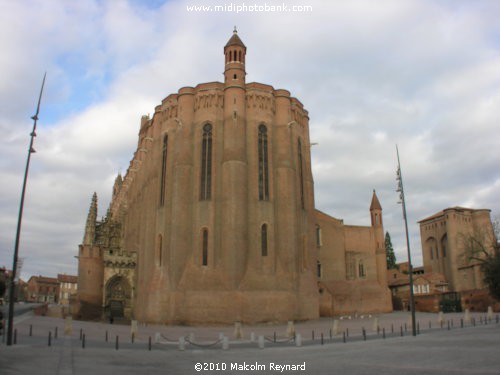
pixel 68 288
pixel 43 289
pixel 449 280
pixel 215 219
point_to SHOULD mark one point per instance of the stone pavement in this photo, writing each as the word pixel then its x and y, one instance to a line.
pixel 447 350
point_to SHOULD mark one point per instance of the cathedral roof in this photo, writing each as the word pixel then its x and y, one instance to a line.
pixel 235 40
pixel 375 202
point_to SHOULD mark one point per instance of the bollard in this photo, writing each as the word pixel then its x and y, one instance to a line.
pixel 401 331
pixel 106 337
pixel 50 339
pixel 68 325
pixel 132 337
pixel 343 339
pixel 375 325
pixel 83 341
pixel 274 337
pixel 238 332
pixel 461 323
pixel 335 327
pixel 55 333
pixel 225 343
pixel 182 343
pixel 133 327
pixel 313 334
pixel 31 330
pixel 261 342
pixel 116 343
pixel 392 328
pixel 298 339
pixel 364 334
pixel 321 338
pixel 290 328
pixel 347 332
pixel 467 316
pixel 331 334
pixel 448 325
pixel 383 333
pixel 149 343
pixel 15 336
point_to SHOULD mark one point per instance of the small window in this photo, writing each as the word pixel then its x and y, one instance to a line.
pixel 235 77
pixel 263 239
pixel 204 256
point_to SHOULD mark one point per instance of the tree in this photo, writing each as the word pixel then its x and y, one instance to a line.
pixel 483 246
pixel 389 250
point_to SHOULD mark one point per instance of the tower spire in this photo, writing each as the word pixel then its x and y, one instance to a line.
pixel 88 238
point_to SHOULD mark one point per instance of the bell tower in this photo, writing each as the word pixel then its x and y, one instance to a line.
pixel 234 70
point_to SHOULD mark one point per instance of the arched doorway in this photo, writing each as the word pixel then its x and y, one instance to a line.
pixel 117 296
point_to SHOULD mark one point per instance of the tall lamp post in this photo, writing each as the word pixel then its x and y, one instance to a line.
pixel 401 192
pixel 12 287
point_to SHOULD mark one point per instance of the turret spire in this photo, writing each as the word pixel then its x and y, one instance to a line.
pixel 88 238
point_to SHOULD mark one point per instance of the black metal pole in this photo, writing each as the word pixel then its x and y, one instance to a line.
pixel 410 266
pixel 12 287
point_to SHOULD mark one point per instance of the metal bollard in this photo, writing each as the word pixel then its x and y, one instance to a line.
pixel 364 334
pixel 15 336
pixel 274 337
pixel 149 344
pixel 313 334
pixel 31 330
pixel 116 343
pixel 461 323
pixel 83 341
pixel 50 339
pixel 132 337
pixel 401 331
pixel 383 333
pixel 392 328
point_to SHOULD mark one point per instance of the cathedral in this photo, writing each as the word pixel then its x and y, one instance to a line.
pixel 215 220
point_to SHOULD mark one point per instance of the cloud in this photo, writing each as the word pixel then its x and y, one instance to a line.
pixel 421 74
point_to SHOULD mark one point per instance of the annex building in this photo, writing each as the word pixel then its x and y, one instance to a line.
pixel 215 221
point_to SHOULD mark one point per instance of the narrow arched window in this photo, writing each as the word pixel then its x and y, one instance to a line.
pixel 361 269
pixel 204 250
pixel 239 56
pixel 159 250
pixel 301 172
pixel 263 164
pixel 318 269
pixel 263 240
pixel 163 170
pixel 319 241
pixel 206 163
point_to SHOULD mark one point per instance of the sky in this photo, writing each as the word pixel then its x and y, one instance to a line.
pixel 424 75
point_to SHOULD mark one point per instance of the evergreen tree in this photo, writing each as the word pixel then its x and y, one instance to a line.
pixel 389 251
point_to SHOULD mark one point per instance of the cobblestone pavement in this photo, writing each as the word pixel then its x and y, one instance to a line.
pixel 444 348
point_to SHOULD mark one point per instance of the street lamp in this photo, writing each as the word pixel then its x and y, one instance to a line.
pixel 12 287
pixel 401 192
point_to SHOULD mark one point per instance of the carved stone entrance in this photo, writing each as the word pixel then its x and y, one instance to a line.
pixel 117 296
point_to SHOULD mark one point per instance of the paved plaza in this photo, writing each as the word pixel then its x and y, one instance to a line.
pixel 444 348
